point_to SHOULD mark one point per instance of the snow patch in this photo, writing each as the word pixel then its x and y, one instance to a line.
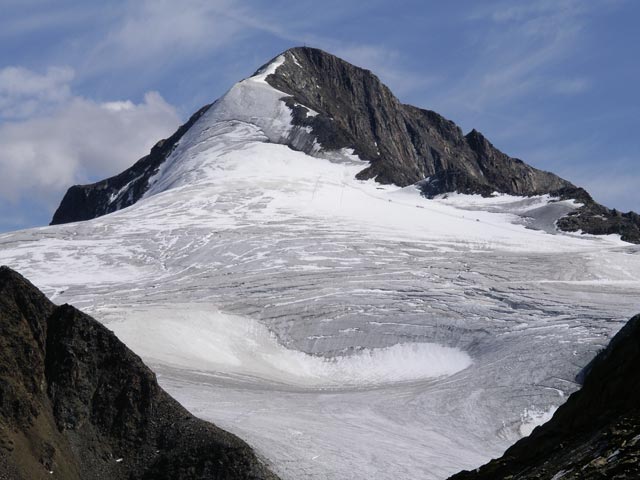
pixel 295 60
pixel 269 69
pixel 309 111
pixel 532 418
pixel 114 196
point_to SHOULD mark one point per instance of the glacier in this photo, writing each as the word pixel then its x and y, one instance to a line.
pixel 345 329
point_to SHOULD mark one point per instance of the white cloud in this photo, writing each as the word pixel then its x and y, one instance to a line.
pixel 24 92
pixel 79 141
pixel 160 32
pixel 509 12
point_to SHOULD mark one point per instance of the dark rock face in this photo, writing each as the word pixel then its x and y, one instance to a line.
pixel 595 434
pixel 76 402
pixel 405 145
pixel 597 219
pixel 84 202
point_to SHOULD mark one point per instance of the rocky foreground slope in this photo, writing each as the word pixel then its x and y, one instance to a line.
pixel 75 403
pixel 594 435
pixel 333 105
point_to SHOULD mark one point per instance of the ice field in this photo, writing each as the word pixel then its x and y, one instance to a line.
pixel 345 329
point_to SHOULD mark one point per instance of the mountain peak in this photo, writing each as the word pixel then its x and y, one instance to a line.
pixel 317 103
pixel 404 144
pixel 329 105
pixel 304 57
pixel 311 58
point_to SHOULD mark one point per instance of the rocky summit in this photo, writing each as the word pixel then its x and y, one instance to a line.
pixel 594 435
pixel 404 144
pixel 334 105
pixel 75 403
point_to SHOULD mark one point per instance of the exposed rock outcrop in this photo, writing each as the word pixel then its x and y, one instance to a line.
pixel 76 403
pixel 597 219
pixel 404 144
pixel 594 435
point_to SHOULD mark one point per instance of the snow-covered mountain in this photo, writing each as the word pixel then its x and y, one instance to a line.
pixel 319 103
pixel 279 266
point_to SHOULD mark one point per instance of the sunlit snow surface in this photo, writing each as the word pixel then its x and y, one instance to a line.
pixel 343 328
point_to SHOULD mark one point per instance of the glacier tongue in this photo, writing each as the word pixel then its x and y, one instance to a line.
pixel 398 337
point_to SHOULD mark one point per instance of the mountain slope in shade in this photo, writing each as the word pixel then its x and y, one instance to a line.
pixel 594 435
pixel 84 202
pixel 331 105
pixel 75 403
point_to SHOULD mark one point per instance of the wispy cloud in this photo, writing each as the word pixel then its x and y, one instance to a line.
pixel 517 50
pixel 160 33
pixel 572 86
pixel 22 17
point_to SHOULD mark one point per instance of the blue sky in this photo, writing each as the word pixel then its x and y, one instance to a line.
pixel 86 88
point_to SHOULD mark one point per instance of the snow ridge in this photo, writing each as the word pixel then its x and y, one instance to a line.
pixel 251 111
